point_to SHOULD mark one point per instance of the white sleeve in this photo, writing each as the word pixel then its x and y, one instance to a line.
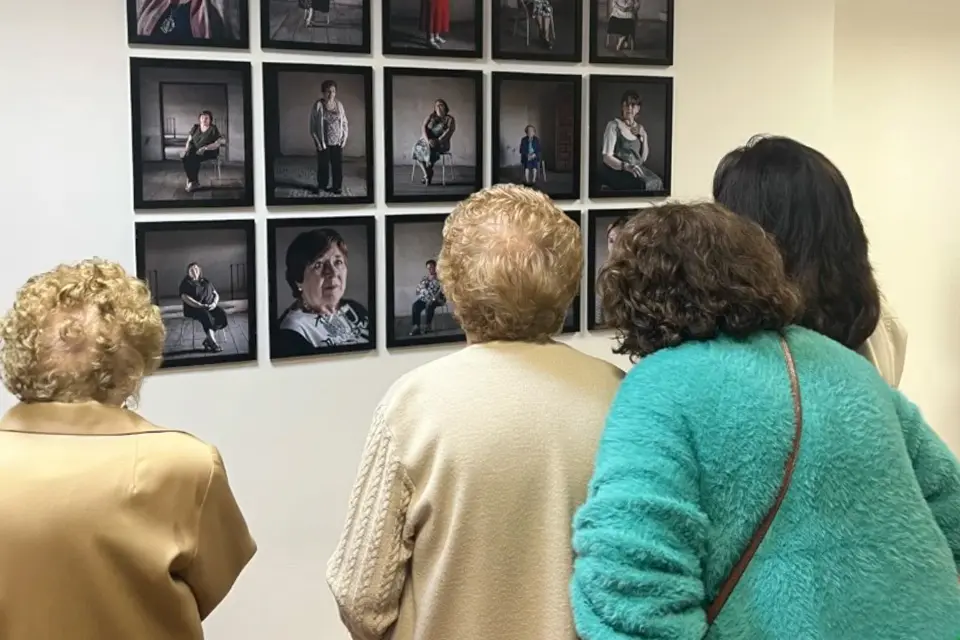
pixel 609 138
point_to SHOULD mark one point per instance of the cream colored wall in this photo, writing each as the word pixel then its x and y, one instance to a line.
pixel 897 113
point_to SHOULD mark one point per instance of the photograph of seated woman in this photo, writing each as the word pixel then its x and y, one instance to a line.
pixel 530 156
pixel 186 22
pixel 537 30
pixel 201 303
pixel 203 144
pixel 429 298
pixel 625 150
pixel 329 129
pixel 632 31
pixel 320 316
pixel 437 130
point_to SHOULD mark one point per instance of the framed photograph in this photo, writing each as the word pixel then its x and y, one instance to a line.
pixel 192 134
pixel 546 30
pixel 434 124
pixel 203 277
pixel 322 281
pixel 600 237
pixel 631 136
pixel 340 26
pixel 189 23
pixel 571 322
pixel 418 312
pixel 637 32
pixel 318 133
pixel 436 28
pixel 536 132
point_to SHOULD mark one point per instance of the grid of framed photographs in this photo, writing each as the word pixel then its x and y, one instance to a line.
pixel 347 139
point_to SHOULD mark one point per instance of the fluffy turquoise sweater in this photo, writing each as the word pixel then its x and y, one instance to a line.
pixel 865 545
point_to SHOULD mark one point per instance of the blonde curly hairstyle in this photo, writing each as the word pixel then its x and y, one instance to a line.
pixel 510 264
pixel 80 332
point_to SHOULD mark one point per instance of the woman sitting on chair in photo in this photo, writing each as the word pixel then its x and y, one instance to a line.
pixel 320 317
pixel 430 297
pixel 626 148
pixel 201 303
pixel 203 143
pixel 438 127
pixel 530 155
pixel 622 22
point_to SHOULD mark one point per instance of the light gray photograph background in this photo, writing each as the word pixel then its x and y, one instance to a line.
pixel 413 100
pixel 296 93
pixel 652 116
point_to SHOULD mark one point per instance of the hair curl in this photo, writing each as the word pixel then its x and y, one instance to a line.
pixel 681 272
pixel 80 332
pixel 510 264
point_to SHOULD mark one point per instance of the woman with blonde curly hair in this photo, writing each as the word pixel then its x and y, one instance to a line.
pixel 110 527
pixel 756 479
pixel 459 523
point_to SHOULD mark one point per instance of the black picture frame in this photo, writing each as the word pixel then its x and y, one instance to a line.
pixel 272 114
pixel 269 28
pixel 367 228
pixel 662 56
pixel 664 131
pixel 246 282
pixel 566 52
pixel 595 219
pixel 242 28
pixel 241 197
pixel 435 193
pixel 394 340
pixel 573 101
pixel 575 326
pixel 414 47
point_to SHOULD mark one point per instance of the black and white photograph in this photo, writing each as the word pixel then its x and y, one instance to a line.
pixel 545 30
pixel 202 275
pixel 635 32
pixel 571 322
pixel 418 311
pixel 631 136
pixel 603 227
pixel 189 23
pixel 536 132
pixel 434 125
pixel 436 28
pixel 192 134
pixel 339 26
pixel 322 284
pixel 318 133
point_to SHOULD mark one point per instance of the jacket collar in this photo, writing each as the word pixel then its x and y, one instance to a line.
pixel 75 419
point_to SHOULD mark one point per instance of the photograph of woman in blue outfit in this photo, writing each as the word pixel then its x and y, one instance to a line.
pixel 530 155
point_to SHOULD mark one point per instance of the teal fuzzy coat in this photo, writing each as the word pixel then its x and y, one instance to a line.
pixel 865 546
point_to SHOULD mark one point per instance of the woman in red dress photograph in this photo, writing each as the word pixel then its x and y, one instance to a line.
pixel 435 20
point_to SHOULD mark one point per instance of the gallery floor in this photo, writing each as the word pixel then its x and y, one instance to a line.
pixel 185 337
pixel 344 27
pixel 407 33
pixel 166 181
pixel 443 325
pixel 460 181
pixel 556 183
pixel 296 177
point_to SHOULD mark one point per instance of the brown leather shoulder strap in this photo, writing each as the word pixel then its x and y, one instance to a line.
pixel 741 566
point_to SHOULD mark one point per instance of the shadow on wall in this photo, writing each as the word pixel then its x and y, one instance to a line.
pixel 413 245
pixel 221 254
pixel 297 93
pixel 413 100
pixel 652 116
pixel 460 10
pixel 530 103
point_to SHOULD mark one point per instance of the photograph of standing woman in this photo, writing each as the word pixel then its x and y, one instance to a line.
pixel 329 128
pixel 446 28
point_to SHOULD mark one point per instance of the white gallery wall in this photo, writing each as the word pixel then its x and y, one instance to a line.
pixel 291 433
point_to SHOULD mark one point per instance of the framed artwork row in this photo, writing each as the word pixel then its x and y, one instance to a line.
pixel 192 134
pixel 634 32
pixel 321 285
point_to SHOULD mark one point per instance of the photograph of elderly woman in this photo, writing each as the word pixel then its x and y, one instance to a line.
pixel 322 285
pixel 603 227
pixel 536 132
pixel 192 138
pixel 193 23
pixel 434 144
pixel 638 32
pixel 316 25
pixel 444 28
pixel 318 134
pixel 631 121
pixel 201 275
pixel 546 30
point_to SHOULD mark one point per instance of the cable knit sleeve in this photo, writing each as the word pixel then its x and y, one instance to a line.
pixel 641 535
pixel 367 572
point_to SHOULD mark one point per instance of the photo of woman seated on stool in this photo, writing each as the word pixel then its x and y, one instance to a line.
pixel 429 298
pixel 201 303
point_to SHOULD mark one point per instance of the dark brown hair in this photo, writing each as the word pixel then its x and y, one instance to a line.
pixel 681 272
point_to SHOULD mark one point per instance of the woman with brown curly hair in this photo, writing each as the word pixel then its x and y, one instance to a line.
pixel 110 527
pixel 754 479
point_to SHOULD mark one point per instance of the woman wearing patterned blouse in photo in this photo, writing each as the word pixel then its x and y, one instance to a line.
pixel 429 298
pixel 626 148
pixel 320 317
pixel 329 129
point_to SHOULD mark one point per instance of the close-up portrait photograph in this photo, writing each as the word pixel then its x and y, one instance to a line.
pixel 631 136
pixel 436 28
pixel 536 132
pixel 316 25
pixel 634 32
pixel 192 133
pixel 544 30
pixel 322 280
pixel 189 23
pixel 318 134
pixel 202 276
pixel 434 141
pixel 603 227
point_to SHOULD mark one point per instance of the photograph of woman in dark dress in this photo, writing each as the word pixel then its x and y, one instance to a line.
pixel 429 298
pixel 186 22
pixel 625 149
pixel 203 143
pixel 530 156
pixel 329 129
pixel 320 316
pixel 201 303
pixel 437 129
